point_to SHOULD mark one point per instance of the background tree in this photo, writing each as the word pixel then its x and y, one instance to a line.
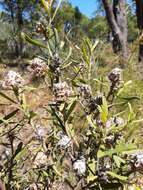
pixel 18 12
pixel 116 17
pixel 139 13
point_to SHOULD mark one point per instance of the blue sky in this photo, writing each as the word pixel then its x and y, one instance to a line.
pixel 86 6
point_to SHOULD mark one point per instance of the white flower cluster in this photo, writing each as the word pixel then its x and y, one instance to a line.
pixel 116 121
pixel 64 141
pixel 12 80
pixel 41 132
pixel 138 161
pixel 40 159
pixel 85 91
pixel 37 67
pixel 115 75
pixel 61 91
pixel 80 166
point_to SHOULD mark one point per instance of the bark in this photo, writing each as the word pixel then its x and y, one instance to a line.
pixel 139 13
pixel 116 17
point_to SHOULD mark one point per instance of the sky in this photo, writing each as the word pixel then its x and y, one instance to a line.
pixel 86 6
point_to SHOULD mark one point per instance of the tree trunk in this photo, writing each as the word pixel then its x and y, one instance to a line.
pixel 19 18
pixel 139 13
pixel 116 17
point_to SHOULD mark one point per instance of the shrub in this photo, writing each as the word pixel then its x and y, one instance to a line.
pixel 86 144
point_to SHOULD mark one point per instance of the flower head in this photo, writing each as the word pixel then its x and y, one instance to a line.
pixel 85 91
pixel 116 121
pixel 137 160
pixel 61 91
pixel 40 28
pixel 115 75
pixel 12 80
pixel 40 132
pixel 80 166
pixel 40 159
pixel 37 68
pixel 64 141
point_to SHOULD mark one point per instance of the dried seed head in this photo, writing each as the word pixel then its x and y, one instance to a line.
pixel 12 80
pixel 37 68
pixel 85 91
pixel 115 75
pixel 80 166
pixel 61 91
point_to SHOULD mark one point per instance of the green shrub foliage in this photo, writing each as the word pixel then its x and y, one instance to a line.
pixel 88 141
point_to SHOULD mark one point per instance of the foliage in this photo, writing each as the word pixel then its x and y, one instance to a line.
pixel 82 137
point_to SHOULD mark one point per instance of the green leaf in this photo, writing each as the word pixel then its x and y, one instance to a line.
pixel 118 160
pixel 56 36
pixel 104 110
pixel 58 119
pixel 67 58
pixel 31 41
pixel 46 5
pixel 89 120
pixel 88 45
pixel 8 116
pixel 18 149
pixel 114 175
pixel 126 85
pixel 56 10
pixel 7 97
pixel 70 110
pixel 95 45
pixel 100 154
pixel 131 115
pixel 122 148
pixel 85 56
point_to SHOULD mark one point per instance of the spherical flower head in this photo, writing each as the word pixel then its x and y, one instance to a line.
pixel 38 67
pixel 85 91
pixel 40 28
pixel 99 100
pixel 12 80
pixel 64 142
pixel 102 175
pixel 116 121
pixel 115 75
pixel 138 161
pixel 40 133
pixel 61 91
pixel 80 166
pixel 41 159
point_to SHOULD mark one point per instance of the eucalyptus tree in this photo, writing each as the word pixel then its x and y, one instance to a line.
pixel 116 17
pixel 18 13
pixel 139 14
